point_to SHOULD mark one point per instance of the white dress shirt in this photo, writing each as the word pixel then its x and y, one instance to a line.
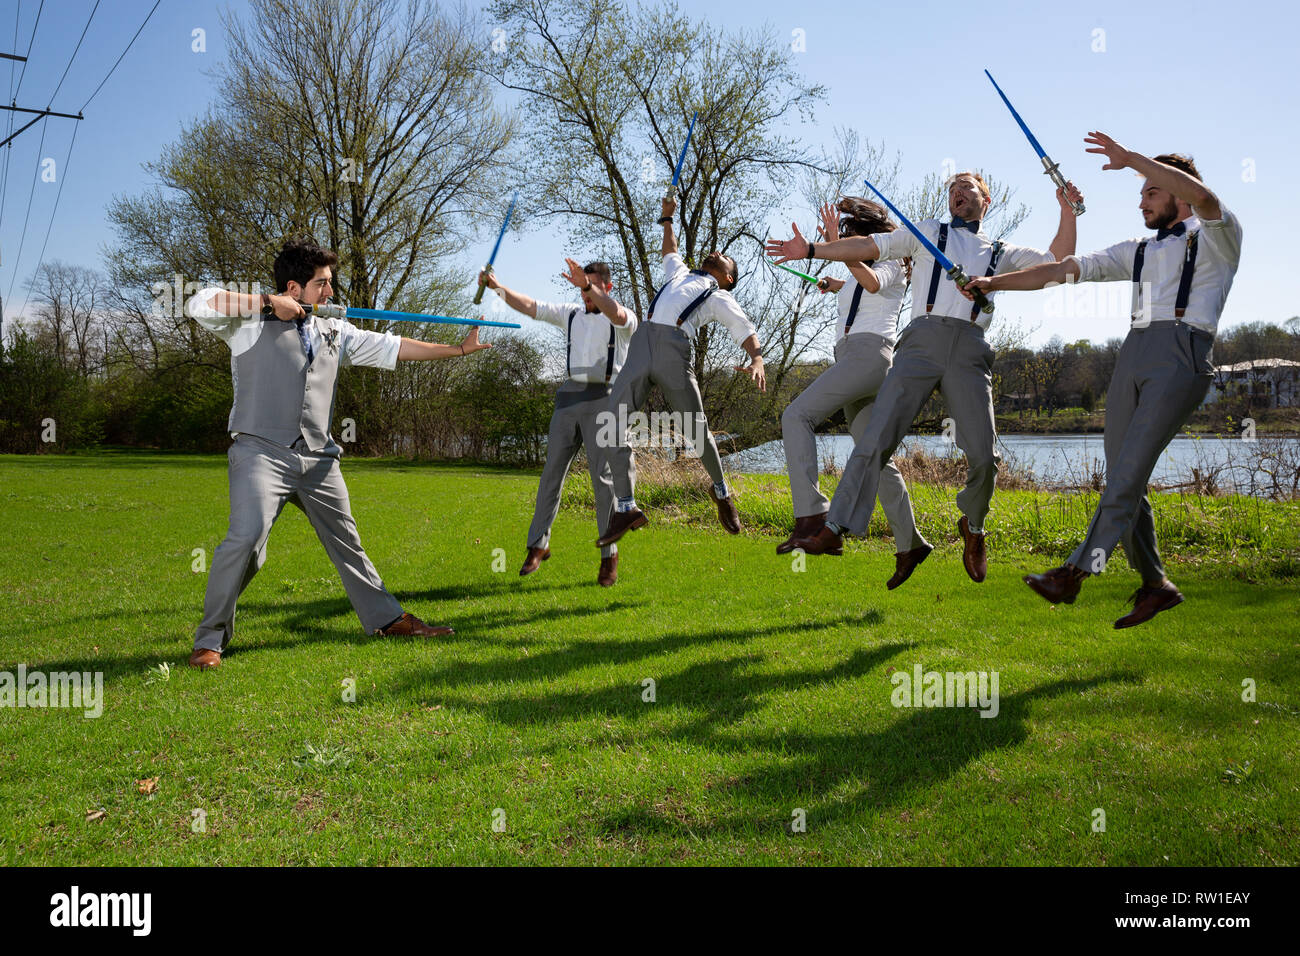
pixel 356 346
pixel 877 312
pixel 1218 254
pixel 682 286
pixel 970 250
pixel 586 340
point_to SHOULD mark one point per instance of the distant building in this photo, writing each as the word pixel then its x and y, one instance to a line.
pixel 1269 383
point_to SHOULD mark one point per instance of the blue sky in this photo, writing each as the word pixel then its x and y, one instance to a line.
pixel 1187 77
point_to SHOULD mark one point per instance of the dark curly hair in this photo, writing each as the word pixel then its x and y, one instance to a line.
pixel 298 261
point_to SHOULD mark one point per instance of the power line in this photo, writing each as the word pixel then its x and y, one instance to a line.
pixel 120 58
pixel 4 183
pixel 53 212
pixel 74 54
pixel 29 47
pixel 36 172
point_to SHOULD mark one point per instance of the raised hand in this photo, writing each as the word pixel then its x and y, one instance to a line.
pixel 287 308
pixel 488 279
pixel 1118 157
pixel 788 250
pixel 575 275
pixel 669 207
pixel 830 222
pixel 470 343
pixel 1069 195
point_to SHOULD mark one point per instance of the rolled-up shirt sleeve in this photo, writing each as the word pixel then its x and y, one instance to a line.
pixel 363 347
pixel 724 308
pixel 238 332
pixel 1109 264
pixel 1224 234
pixel 898 244
pixel 1015 258
pixel 556 313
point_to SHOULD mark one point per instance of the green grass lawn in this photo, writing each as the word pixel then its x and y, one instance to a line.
pixel 772 692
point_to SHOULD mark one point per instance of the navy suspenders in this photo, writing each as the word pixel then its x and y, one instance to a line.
pixel 568 350
pixel 853 308
pixel 993 264
pixel 609 361
pixel 1184 280
pixel 568 347
pixel 934 276
pixel 694 304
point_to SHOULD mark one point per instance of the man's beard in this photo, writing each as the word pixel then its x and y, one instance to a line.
pixel 1165 217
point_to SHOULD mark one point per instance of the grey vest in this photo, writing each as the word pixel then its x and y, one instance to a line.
pixel 278 396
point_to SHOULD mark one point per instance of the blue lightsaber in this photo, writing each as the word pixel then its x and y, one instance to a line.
pixel 677 173
pixel 332 311
pixel 478 297
pixel 954 271
pixel 1050 168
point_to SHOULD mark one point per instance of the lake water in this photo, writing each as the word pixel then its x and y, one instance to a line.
pixel 1052 459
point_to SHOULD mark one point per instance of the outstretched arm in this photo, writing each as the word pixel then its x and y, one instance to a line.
pixel 1187 188
pixel 852 249
pixel 1026 280
pixel 668 209
pixel 607 304
pixel 516 300
pixel 1067 232
pixel 413 350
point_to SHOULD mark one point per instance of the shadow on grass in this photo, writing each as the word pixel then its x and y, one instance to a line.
pixel 834 776
pixel 697 684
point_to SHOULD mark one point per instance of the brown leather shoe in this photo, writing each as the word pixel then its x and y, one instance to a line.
pixel 1148 602
pixel 534 560
pixel 973 556
pixel 728 516
pixel 621 524
pixel 408 625
pixel 824 541
pixel 205 659
pixel 1059 585
pixel 805 527
pixel 905 563
pixel 608 571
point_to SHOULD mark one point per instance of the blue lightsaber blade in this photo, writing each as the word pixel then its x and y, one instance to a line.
pixel 953 270
pixel 478 296
pixel 677 173
pixel 1052 169
pixel 333 311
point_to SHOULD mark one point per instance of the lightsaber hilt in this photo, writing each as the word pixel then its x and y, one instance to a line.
pixel 1053 170
pixel 981 301
pixel 478 296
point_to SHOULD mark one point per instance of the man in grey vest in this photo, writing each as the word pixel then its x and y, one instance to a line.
pixel 944 347
pixel 660 354
pixel 1181 278
pixel 285 366
pixel 596 335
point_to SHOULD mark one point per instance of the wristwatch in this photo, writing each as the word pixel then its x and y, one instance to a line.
pixel 268 310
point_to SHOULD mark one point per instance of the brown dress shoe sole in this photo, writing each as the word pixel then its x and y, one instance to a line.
pixel 1123 622
pixel 640 521
pixel 1049 598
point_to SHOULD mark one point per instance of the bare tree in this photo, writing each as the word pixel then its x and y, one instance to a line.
pixel 68 301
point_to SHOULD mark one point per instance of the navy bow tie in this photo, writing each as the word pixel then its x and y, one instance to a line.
pixel 959 223
pixel 1177 229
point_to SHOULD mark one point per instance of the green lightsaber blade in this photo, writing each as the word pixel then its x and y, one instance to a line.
pixel 802 275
